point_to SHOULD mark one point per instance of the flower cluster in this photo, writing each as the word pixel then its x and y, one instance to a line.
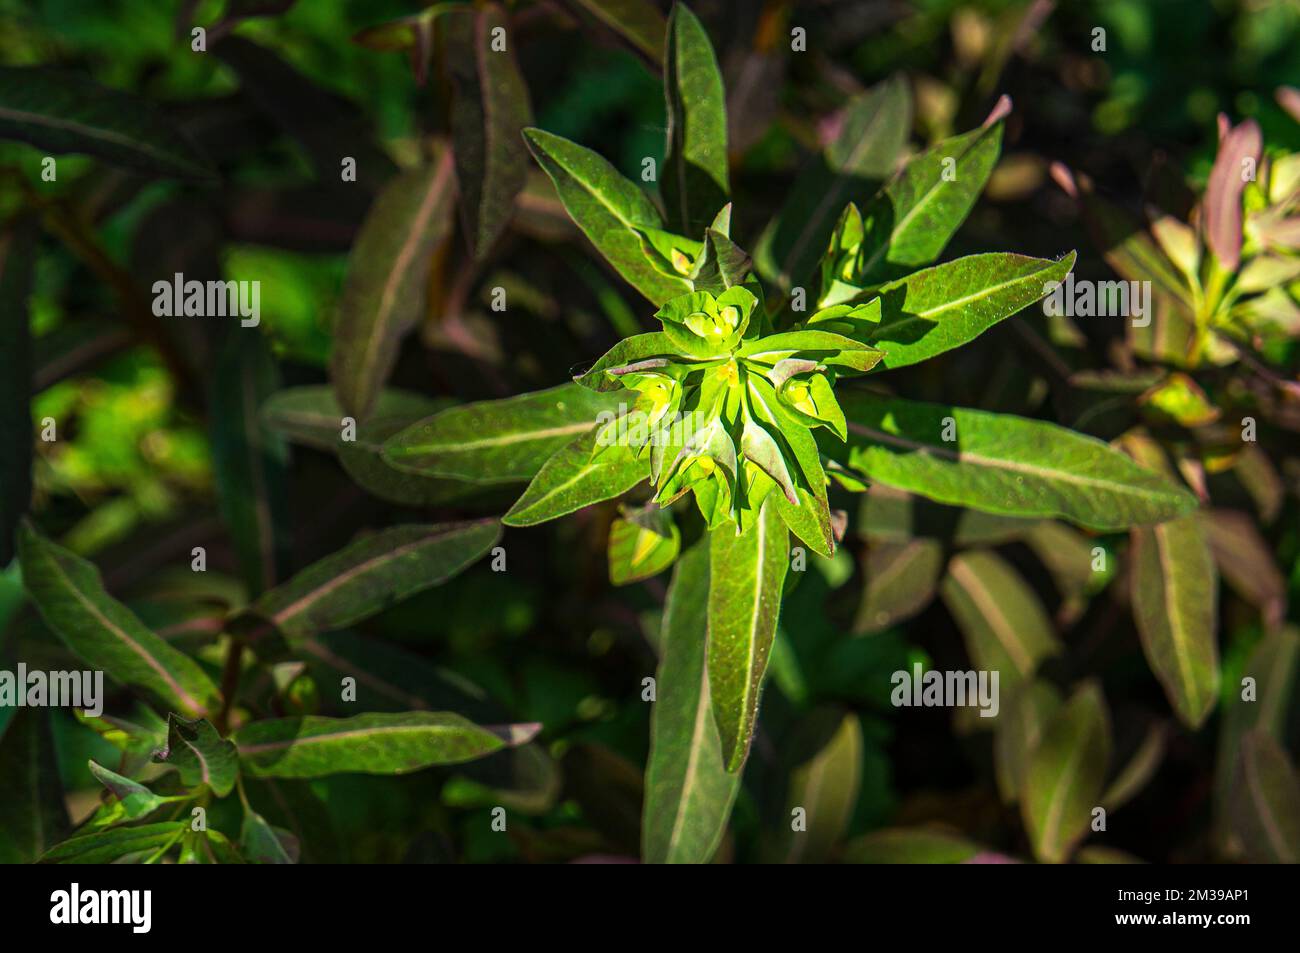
pixel 732 406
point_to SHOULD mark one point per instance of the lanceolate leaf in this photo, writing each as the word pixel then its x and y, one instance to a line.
pixel 1223 192
pixel 695 182
pixel 608 208
pixel 1002 464
pixel 499 441
pixel 377 743
pixel 899 581
pixel 639 347
pixel 638 22
pixel 875 128
pixel 249 460
pixel 1174 602
pixel 1006 628
pixel 946 306
pixel 387 274
pixel 1266 801
pixel 1246 562
pixel 575 478
pixel 1258 704
pixel 32 812
pixel 200 755
pixel 260 843
pixel 688 792
pixel 1066 774
pixel 825 786
pixel 489 113
pixel 744 603
pixel 62 112
pixel 106 847
pixel 1024 718
pixel 16 260
pixel 909 223
pixel 136 800
pixel 372 574
pixel 104 633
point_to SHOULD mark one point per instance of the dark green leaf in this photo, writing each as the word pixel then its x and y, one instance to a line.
pixel 574 478
pixel 200 755
pixel 875 129
pixel 908 225
pixel 1003 464
pixel 104 633
pixel 62 112
pixel 16 263
pixel 899 581
pixel 249 460
pixel 946 306
pixel 608 208
pixel 1175 590
pixel 489 113
pixel 387 276
pixel 376 743
pixel 120 843
pixel 688 791
pixel 499 441
pixel 1066 773
pixel 695 181
pixel 372 574
pixel 32 812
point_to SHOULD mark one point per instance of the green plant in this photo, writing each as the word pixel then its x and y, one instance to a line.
pixel 742 401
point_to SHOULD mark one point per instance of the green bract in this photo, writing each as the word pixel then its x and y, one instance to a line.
pixel 719 412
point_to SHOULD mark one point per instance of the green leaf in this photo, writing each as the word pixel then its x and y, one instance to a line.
pixel 875 128
pixel 608 208
pixel 488 115
pixel 117 844
pixel 643 542
pixel 1175 589
pixel 578 475
pixel 910 846
pixel 1003 464
pixel 372 574
pixel 946 306
pixel 688 791
pixel 638 22
pixel 910 222
pixel 899 581
pixel 1066 774
pixel 499 441
pixel 629 351
pixel 824 784
pixel 825 346
pixel 695 183
pixel 388 269
pixel 1271 667
pixel 63 112
pixel 17 258
pixel 1140 768
pixel 200 755
pixel 1246 562
pixel 363 461
pixel 32 812
pixel 1005 625
pixel 250 460
pixel 136 800
pixel 260 843
pixel 1266 801
pixel 722 264
pixel 313 417
pixel 1021 723
pixel 376 743
pixel 104 633
pixel 744 603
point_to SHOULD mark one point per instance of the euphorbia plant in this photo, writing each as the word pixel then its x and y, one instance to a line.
pixel 743 399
